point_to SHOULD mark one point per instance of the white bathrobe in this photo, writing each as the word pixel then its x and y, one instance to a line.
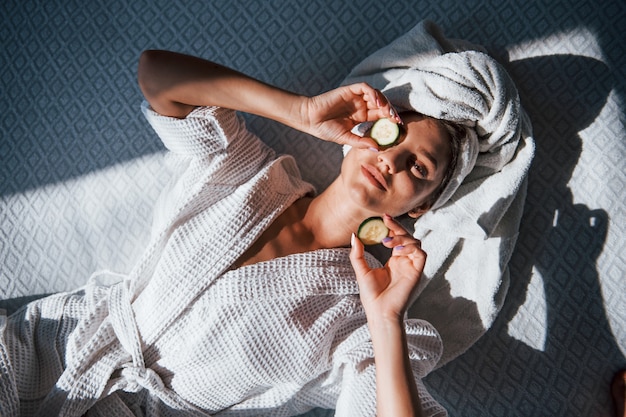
pixel 183 333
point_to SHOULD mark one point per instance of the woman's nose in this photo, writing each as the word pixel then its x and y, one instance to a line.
pixel 391 160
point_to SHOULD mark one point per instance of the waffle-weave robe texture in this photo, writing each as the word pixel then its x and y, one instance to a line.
pixel 184 333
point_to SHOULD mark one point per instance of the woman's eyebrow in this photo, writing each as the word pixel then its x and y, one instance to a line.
pixel 430 157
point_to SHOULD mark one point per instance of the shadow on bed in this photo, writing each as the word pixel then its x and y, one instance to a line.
pixel 11 305
pixel 559 241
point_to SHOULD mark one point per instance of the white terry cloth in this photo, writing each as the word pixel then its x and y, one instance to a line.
pixel 471 232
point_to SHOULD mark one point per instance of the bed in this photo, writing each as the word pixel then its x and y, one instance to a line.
pixel 80 168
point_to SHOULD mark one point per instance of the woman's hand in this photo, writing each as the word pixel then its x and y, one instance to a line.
pixel 174 84
pixel 332 115
pixel 385 292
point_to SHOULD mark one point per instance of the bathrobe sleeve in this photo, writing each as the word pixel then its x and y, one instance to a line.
pixel 355 362
pixel 204 148
pixel 204 131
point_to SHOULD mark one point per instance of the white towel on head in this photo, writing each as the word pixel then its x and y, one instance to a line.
pixel 471 233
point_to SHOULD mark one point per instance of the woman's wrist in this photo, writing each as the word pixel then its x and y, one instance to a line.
pixel 396 390
pixel 381 323
pixel 386 331
pixel 293 112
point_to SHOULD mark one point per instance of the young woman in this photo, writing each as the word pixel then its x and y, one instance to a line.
pixel 401 179
pixel 245 302
pixel 254 296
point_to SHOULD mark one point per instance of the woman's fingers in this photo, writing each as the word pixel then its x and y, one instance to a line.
pixel 356 141
pixel 333 115
pixel 403 244
pixel 388 110
pixel 357 258
pixel 377 103
pixel 388 289
pixel 395 227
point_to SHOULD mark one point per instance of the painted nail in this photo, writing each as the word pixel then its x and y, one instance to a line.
pixel 395 115
pixel 399 247
pixel 352 237
pixel 387 239
pixel 373 150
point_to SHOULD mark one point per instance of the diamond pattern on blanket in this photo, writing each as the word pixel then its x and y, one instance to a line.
pixel 569 234
pixel 80 170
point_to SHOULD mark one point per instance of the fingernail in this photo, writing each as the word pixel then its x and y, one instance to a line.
pixel 373 150
pixel 387 239
pixel 394 113
pixel 352 237
pixel 399 247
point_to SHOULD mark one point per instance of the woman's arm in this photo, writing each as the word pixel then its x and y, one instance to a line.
pixel 396 392
pixel 385 294
pixel 174 84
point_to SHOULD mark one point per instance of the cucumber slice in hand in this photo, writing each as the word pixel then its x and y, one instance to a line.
pixel 372 231
pixel 385 132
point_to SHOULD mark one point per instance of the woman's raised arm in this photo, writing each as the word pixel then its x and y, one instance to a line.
pixel 174 84
pixel 385 294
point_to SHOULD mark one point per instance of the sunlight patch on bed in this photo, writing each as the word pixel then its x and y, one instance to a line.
pixel 578 41
pixel 58 234
pixel 529 325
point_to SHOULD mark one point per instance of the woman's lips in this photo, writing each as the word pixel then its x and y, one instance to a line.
pixel 374 177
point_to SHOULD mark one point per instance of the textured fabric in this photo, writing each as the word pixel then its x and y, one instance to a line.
pixel 478 214
pixel 425 72
pixel 80 170
pixel 188 334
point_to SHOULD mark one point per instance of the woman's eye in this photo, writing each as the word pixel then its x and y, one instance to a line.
pixel 420 170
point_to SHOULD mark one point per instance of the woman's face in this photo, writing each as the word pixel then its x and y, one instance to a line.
pixel 400 179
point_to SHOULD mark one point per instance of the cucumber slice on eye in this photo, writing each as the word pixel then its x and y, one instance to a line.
pixel 385 132
pixel 372 231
